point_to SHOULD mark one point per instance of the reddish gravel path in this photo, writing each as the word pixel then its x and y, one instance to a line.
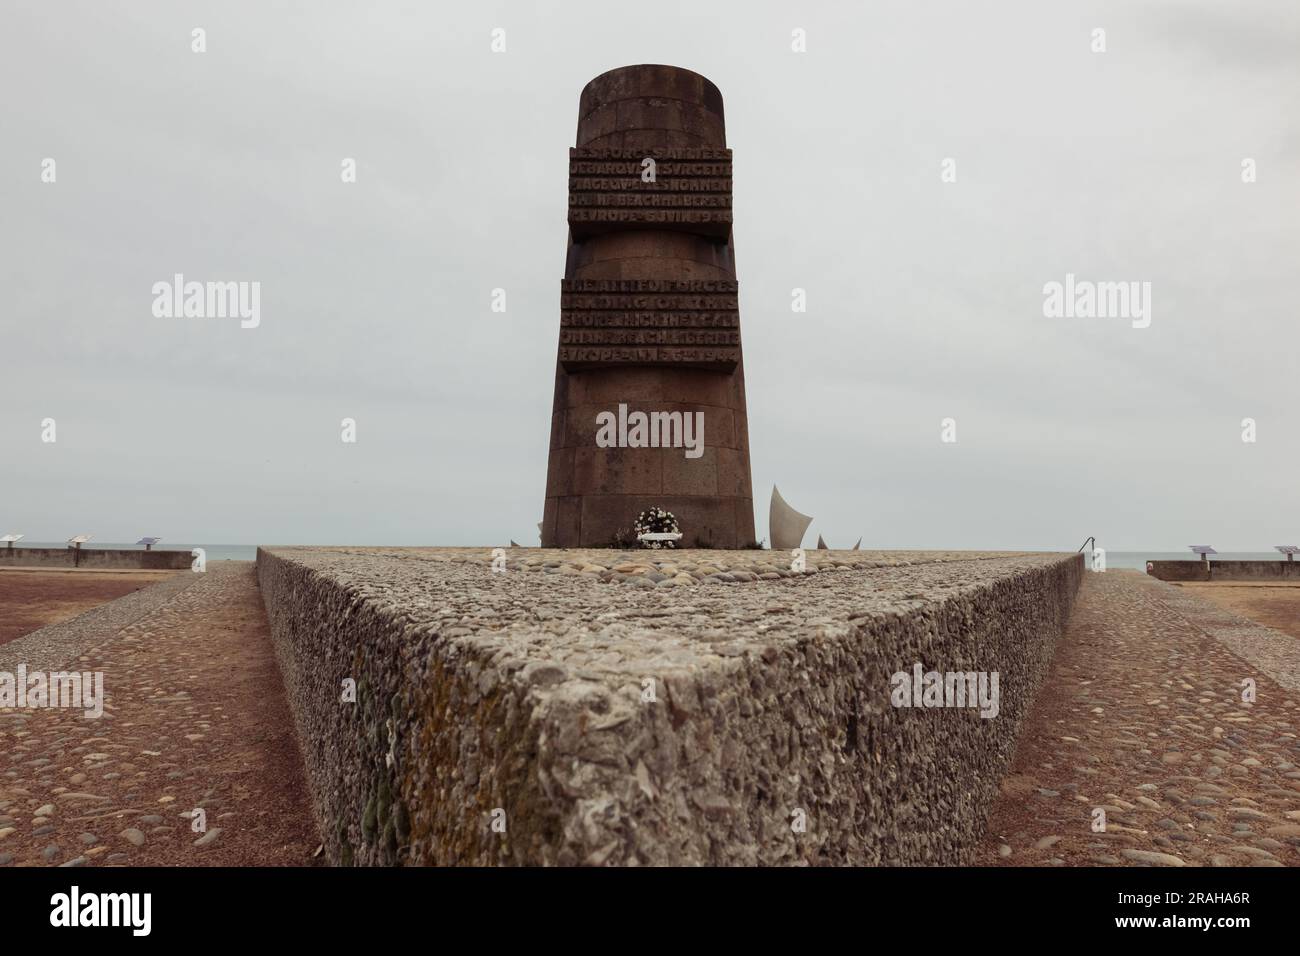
pixel 32 599
pixel 195 717
pixel 1273 605
pixel 1142 716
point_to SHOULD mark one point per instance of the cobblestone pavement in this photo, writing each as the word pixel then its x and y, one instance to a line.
pixel 195 717
pixel 1143 719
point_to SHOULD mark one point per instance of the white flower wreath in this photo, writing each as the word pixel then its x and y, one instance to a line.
pixel 656 521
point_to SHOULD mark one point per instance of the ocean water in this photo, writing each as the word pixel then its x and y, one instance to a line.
pixel 213 552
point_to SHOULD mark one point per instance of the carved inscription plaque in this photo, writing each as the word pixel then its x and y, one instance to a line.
pixel 692 322
pixel 690 191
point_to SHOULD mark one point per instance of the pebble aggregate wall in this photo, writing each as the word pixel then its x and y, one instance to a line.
pixel 520 699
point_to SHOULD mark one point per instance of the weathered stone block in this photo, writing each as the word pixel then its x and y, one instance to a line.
pixel 523 698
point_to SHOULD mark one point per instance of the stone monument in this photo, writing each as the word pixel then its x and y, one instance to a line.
pixel 649 407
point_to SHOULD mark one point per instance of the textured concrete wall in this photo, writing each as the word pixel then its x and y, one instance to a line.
pixel 1225 570
pixel 95 558
pixel 522 698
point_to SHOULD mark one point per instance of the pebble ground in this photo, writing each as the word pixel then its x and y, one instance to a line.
pixel 1142 718
pixel 32 598
pixel 666 568
pixel 195 718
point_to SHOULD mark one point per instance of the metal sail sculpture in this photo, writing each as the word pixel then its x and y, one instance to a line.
pixel 821 544
pixel 785 525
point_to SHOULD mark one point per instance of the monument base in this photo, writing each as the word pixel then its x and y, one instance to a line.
pixel 593 494
pixel 665 708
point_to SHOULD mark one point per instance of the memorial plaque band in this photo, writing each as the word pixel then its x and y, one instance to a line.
pixel 690 190
pixel 665 322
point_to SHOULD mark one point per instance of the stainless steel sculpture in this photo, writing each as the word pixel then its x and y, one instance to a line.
pixel 786 525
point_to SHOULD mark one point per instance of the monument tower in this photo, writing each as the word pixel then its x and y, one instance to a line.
pixel 649 320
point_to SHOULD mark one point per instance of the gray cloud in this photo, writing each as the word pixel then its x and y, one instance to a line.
pixel 925 298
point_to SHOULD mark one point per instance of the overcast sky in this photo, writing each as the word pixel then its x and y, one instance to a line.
pixel 925 298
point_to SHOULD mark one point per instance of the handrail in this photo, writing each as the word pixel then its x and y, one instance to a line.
pixel 1092 538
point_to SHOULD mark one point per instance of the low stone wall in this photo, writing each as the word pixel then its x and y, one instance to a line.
pixel 95 558
pixel 1224 570
pixel 538 717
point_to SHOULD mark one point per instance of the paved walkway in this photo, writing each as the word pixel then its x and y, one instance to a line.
pixel 195 717
pixel 1142 717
